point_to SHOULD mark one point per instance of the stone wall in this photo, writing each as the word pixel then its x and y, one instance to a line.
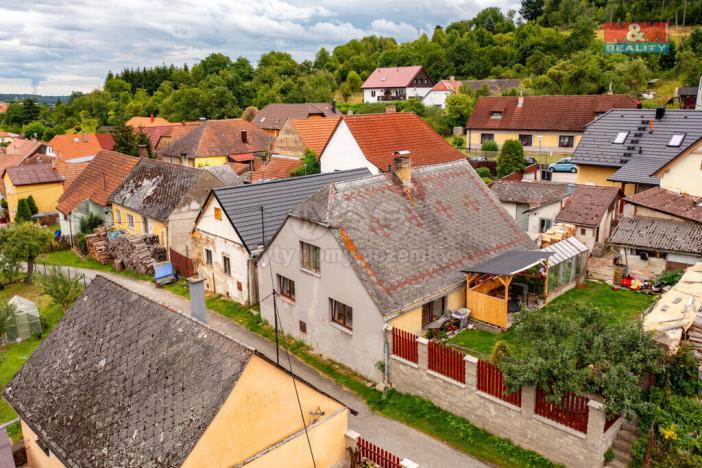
pixel 559 443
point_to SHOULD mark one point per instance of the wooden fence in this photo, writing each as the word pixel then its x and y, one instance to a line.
pixel 609 421
pixel 404 345
pixel 378 456
pixel 447 361
pixel 572 411
pixel 490 381
pixel 182 264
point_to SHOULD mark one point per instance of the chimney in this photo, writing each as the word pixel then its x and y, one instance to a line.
pixel 202 119
pixel 520 101
pixel 349 112
pixel 660 112
pixel 610 92
pixel 402 167
pixel 570 188
pixel 85 136
pixel 334 106
pixel 452 78
pixel 390 108
pixel 196 285
pixel 143 153
pixel 244 136
pixel 152 117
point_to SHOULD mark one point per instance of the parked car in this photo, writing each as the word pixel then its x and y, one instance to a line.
pixel 564 165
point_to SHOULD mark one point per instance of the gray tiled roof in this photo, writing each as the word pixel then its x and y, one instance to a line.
pixel 530 193
pixel 277 197
pixel 407 248
pixel 659 234
pixel 226 174
pixel 155 188
pixel 643 152
pixel 123 381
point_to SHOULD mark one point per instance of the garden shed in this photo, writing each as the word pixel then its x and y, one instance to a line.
pixel 25 323
pixel 566 267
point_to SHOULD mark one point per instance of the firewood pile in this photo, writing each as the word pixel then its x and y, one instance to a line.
pixel 98 245
pixel 137 253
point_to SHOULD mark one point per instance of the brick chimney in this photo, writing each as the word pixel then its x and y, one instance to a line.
pixel 520 101
pixel 143 153
pixel 196 285
pixel 85 136
pixel 402 167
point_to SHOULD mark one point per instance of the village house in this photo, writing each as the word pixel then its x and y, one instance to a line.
pixel 273 117
pixel 627 147
pixel 592 210
pixel 436 97
pixel 539 123
pixel 384 250
pixel 41 181
pixel 79 145
pixel 163 199
pixel 161 136
pixel 683 173
pixel 371 141
pixel 236 222
pixel 396 84
pixel 125 381
pixel 89 192
pixel 144 122
pixel 534 205
pixel 217 142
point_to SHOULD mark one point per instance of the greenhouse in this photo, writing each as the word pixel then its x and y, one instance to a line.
pixel 566 267
pixel 26 321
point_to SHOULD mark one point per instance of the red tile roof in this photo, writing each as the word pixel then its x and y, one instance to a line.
pixel 145 122
pixel 381 135
pixel 550 113
pixel 447 85
pixel 587 205
pixel 278 167
pixel 391 77
pixel 75 146
pixel 666 201
pixel 315 133
pixel 70 169
pixel 31 174
pixel 98 180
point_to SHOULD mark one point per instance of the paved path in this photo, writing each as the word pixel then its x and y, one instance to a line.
pixel 387 433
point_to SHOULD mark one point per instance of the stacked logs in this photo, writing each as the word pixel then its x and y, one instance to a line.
pixel 137 253
pixel 97 245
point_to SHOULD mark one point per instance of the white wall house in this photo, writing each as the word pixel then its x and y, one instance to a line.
pixel 343 152
pixel 396 84
pixel 70 224
pixel 534 220
pixel 436 97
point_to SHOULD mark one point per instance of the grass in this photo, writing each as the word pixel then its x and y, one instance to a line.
pixel 620 305
pixel 70 259
pixel 416 412
pixel 15 355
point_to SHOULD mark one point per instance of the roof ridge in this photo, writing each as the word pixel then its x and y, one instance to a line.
pixel 288 179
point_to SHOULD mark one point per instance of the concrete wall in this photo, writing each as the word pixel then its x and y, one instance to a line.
pixel 342 153
pixel 548 144
pixel 411 321
pixel 685 174
pixel 519 424
pixel 360 348
pixel 543 212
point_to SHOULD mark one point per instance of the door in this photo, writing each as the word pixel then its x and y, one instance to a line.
pixel 145 224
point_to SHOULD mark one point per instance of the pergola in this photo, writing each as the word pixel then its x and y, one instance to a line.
pixel 487 284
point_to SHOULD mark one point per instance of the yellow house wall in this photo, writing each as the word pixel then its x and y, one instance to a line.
pixel 685 174
pixel 155 227
pixel 549 142
pixel 45 195
pixel 411 321
pixel 262 411
pixel 597 175
pixel 36 458
pixel 210 161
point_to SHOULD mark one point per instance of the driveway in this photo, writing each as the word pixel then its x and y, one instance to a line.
pixel 387 433
pixel 564 177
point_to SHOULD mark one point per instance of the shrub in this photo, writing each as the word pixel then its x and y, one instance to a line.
pixel 24 213
pixel 32 205
pixel 489 145
pixel 669 278
pixel 310 165
pixel 63 289
pixel 458 142
pixel 483 172
pixel 608 456
pixel 500 350
pixel 90 222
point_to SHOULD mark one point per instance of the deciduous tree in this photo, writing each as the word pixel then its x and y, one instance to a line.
pixel 25 241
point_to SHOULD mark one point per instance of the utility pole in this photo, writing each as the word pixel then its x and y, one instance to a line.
pixel 274 293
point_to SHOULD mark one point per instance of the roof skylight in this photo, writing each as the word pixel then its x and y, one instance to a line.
pixel 620 138
pixel 676 139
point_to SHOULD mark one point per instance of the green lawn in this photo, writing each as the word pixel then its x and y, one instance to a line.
pixel 13 356
pixel 621 305
pixel 70 259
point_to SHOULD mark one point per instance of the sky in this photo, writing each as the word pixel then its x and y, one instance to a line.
pixel 59 46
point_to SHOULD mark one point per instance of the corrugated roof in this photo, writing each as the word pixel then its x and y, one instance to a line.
pixel 672 203
pixel 510 263
pixel 659 234
pixel 123 381
pixel 274 116
pixel 587 205
pixel 278 197
pixel 564 250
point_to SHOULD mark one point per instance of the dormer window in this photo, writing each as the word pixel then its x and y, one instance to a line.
pixel 496 114
pixel 676 140
pixel 620 138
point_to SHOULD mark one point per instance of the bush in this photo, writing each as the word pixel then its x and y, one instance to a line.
pixel 511 158
pixel 489 145
pixel 458 142
pixel 681 372
pixel 669 278
pixel 32 205
pixel 608 456
pixel 89 223
pixel 499 351
pixel 310 165
pixel 82 243
pixel 483 172
pixel 63 289
pixel 24 213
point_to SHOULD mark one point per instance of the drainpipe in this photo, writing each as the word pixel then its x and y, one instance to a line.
pixel 70 229
pixel 386 358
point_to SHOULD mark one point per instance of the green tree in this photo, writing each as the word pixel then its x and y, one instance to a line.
pixel 458 109
pixel 345 91
pixel 310 165
pixel 127 140
pixel 7 311
pixel 354 81
pixel 511 158
pixel 63 289
pixel 25 241
pixel 32 205
pixel 531 9
pixel 90 222
pixel 24 212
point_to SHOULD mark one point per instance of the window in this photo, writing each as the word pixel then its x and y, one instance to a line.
pixel 433 310
pixel 286 287
pixel 303 327
pixel 620 138
pixel 208 256
pixel 486 137
pixel 118 215
pixel 145 224
pixel 496 114
pixel 566 141
pixel 676 139
pixel 218 213
pixel 341 314
pixel 525 139
pixel 582 231
pixel 310 257
pixel 130 220
pixel 227 266
pixel 373 93
pixel 545 224
pixel 239 286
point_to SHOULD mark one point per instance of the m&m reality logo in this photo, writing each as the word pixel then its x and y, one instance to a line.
pixel 636 38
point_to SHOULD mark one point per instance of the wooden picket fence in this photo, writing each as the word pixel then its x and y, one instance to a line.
pixel 378 456
pixel 491 381
pixel 572 411
pixel 447 361
pixel 404 345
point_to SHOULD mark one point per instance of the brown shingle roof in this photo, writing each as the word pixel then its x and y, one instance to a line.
pixel 98 180
pixel 278 167
pixel 551 113
pixel 274 116
pixel 381 135
pixel 30 174
pixel 587 205
pixel 315 133
pixel 530 193
pixel 665 201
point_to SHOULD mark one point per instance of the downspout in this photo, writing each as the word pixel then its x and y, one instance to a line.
pixel 70 228
pixel 386 358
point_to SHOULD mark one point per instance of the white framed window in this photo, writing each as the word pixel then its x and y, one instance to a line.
pixel 309 259
pixel 676 139
pixel 496 114
pixel 341 313
pixel 130 220
pixel 620 138
pixel 286 286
